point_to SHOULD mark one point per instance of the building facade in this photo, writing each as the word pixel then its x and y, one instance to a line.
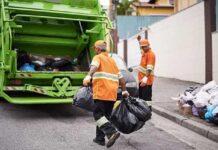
pixel 158 7
pixel 182 4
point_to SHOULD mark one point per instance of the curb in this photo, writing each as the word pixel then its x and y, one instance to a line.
pixel 199 128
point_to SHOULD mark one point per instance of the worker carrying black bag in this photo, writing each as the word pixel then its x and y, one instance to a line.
pixel 130 114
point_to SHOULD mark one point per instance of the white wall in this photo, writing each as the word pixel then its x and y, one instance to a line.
pixel 179 44
pixel 215 56
pixel 134 54
pixel 120 48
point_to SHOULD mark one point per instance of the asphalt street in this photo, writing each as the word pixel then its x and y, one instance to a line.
pixel 55 127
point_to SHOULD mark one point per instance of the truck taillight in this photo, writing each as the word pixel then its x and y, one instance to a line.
pixel 16 82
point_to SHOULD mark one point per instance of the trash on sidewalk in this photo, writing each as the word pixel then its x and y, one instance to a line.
pixel 130 114
pixel 83 99
pixel 185 109
pixel 200 101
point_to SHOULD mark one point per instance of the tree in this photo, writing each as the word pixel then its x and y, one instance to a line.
pixel 123 7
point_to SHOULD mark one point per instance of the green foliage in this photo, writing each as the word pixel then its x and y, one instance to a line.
pixel 123 7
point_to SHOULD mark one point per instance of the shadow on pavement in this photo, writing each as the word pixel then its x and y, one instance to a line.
pixel 55 111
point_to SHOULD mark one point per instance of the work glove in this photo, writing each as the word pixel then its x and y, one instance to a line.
pixel 87 80
pixel 125 93
pixel 144 81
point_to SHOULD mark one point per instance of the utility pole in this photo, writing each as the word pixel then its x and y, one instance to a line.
pixel 113 18
pixel 210 26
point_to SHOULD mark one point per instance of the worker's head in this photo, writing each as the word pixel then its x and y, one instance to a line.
pixel 144 45
pixel 100 46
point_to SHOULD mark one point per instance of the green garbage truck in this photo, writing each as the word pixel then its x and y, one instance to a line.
pixel 46 48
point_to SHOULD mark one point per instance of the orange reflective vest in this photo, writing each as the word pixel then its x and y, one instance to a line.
pixel 147 63
pixel 106 79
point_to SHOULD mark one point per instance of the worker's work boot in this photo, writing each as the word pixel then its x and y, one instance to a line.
pixel 99 142
pixel 113 139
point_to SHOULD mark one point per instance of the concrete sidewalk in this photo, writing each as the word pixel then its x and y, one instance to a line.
pixel 163 90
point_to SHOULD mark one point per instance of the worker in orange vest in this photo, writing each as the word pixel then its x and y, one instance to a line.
pixel 106 78
pixel 146 70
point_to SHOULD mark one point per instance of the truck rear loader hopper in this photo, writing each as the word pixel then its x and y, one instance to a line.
pixel 47 30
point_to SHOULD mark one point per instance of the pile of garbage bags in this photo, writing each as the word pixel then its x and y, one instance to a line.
pixel 29 62
pixel 202 101
pixel 130 114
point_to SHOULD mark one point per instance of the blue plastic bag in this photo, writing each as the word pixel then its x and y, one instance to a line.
pixel 209 115
pixel 27 67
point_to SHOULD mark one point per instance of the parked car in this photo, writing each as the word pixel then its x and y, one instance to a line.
pixel 131 83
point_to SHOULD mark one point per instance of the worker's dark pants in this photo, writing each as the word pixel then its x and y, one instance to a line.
pixel 145 93
pixel 103 109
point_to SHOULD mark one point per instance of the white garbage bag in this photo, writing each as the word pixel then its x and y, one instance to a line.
pixel 213 92
pixel 187 96
pixel 214 100
pixel 210 85
pixel 202 99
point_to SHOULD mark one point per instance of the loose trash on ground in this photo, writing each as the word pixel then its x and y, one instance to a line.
pixel 200 101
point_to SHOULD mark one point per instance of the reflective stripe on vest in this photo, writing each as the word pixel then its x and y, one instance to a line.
pixel 107 76
pixel 100 122
pixel 142 69
pixel 149 68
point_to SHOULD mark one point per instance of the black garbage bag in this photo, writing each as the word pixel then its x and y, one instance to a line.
pixel 62 65
pixel 130 114
pixel 22 58
pixel 215 120
pixel 83 99
pixel 122 119
pixel 139 108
